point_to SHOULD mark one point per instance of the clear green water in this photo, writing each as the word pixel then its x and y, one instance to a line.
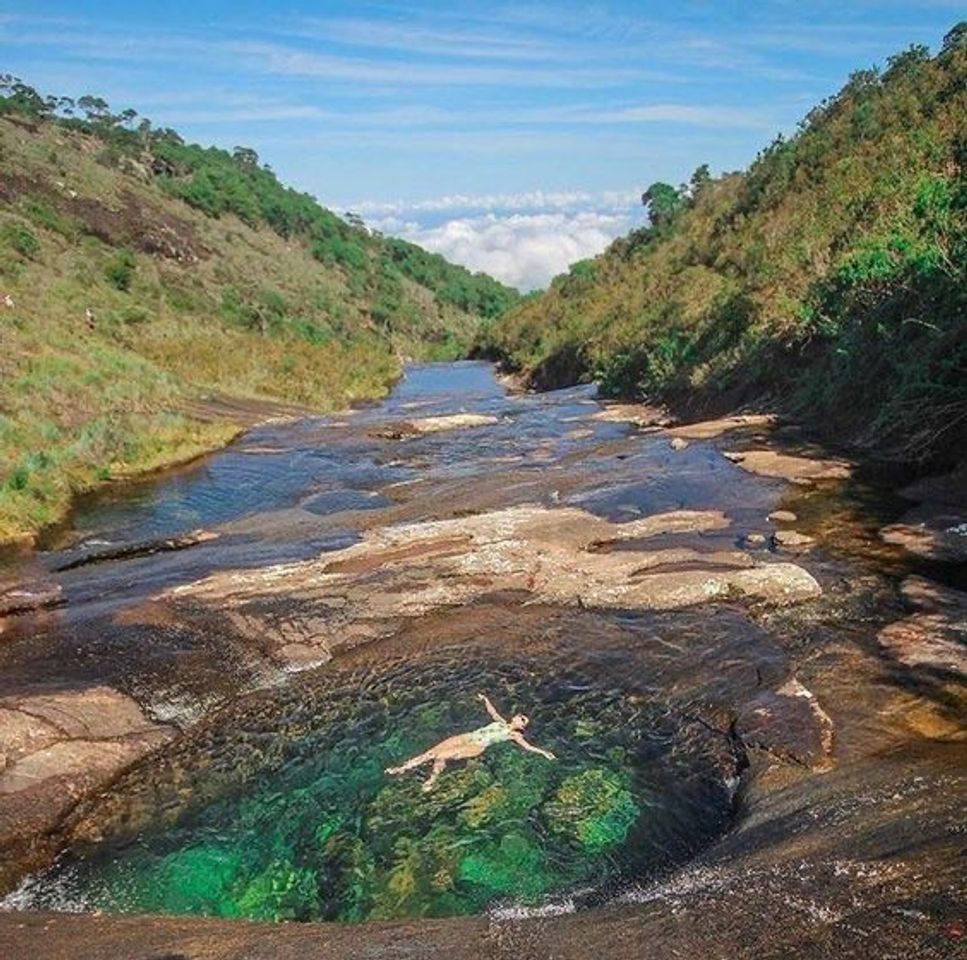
pixel 284 812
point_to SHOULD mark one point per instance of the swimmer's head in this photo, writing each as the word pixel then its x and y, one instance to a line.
pixel 518 721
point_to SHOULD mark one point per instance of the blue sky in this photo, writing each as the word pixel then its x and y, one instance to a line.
pixel 513 137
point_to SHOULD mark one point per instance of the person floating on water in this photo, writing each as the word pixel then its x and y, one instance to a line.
pixel 464 746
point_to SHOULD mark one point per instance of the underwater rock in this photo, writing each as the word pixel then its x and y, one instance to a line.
pixel 942 537
pixel 792 539
pixel 935 642
pixel 678 443
pixel 782 516
pixel 595 807
pixel 923 594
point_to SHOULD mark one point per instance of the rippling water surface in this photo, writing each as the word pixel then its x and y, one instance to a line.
pixel 283 810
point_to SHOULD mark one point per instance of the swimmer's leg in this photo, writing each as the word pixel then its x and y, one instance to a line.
pixel 438 766
pixel 411 764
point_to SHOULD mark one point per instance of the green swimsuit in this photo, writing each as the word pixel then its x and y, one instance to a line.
pixel 496 732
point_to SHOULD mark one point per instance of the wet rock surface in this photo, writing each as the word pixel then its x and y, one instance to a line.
pixel 796 469
pixel 826 675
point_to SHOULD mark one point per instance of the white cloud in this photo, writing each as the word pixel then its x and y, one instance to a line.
pixel 523 250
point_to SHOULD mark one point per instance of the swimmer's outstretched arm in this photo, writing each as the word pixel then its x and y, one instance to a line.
pixel 491 709
pixel 529 747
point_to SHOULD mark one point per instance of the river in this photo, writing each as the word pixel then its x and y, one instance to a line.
pixel 199 722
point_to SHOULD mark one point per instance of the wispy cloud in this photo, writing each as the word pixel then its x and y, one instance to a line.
pixel 289 60
pixel 407 38
pixel 702 116
pixel 530 200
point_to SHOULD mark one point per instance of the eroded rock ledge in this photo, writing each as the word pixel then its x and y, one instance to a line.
pixel 553 555
pixel 57 746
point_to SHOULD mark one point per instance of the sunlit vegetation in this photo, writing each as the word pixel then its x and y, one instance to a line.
pixel 142 271
pixel 828 279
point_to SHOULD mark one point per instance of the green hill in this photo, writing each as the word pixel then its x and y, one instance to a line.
pixel 828 280
pixel 138 272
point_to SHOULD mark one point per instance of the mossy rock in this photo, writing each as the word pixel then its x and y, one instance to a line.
pixel 594 807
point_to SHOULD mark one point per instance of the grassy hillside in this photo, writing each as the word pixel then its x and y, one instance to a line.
pixel 140 272
pixel 828 279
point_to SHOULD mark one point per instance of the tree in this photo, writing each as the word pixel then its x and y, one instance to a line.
pixel 955 39
pixel 700 179
pixel 663 203
pixel 96 109
pixel 245 157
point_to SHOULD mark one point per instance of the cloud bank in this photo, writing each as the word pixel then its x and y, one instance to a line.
pixel 525 250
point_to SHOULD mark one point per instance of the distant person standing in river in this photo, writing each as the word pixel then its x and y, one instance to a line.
pixel 465 746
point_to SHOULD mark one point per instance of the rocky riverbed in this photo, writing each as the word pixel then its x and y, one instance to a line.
pixel 779 639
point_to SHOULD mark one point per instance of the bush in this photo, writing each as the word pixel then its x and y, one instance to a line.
pixel 21 239
pixel 120 268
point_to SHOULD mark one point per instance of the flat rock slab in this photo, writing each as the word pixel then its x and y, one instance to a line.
pixel 22 734
pixel 94 712
pixel 424 425
pixel 58 747
pixel 554 555
pixel 101 553
pixel 637 414
pixel 710 429
pixel 790 724
pixel 784 466
pixel 85 759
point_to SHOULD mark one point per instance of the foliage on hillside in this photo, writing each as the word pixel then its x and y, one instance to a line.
pixel 139 271
pixel 828 279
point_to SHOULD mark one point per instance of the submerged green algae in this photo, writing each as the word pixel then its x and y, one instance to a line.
pixel 309 827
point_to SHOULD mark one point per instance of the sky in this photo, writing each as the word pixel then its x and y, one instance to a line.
pixel 514 138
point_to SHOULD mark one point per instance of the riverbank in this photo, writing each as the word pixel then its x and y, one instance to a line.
pixel 69 436
pixel 825 282
pixel 126 293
